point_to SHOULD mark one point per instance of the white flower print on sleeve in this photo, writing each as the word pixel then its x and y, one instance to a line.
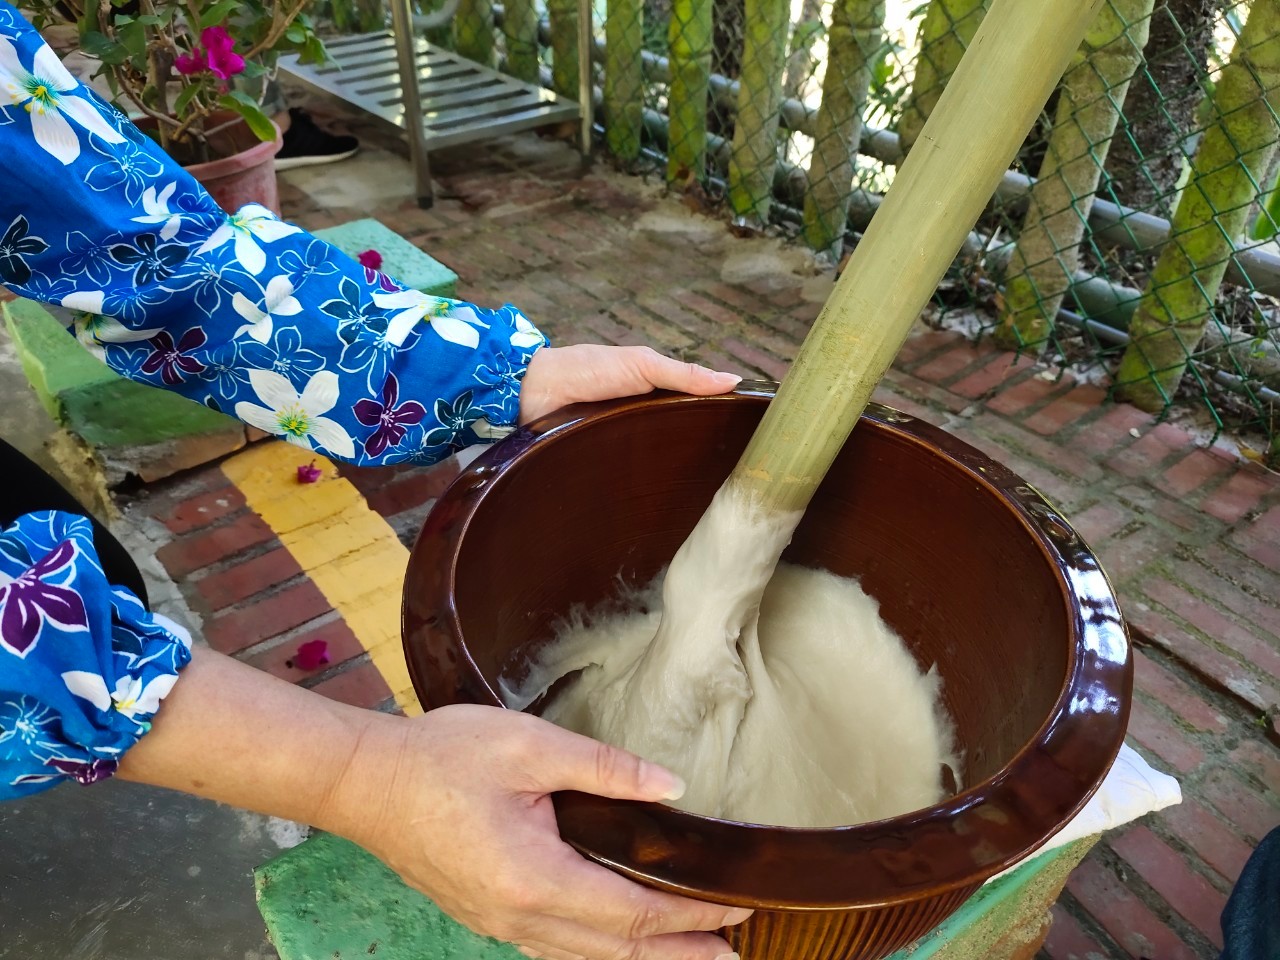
pixel 297 417
pixel 455 322
pixel 157 211
pixel 49 94
pixel 277 301
pixel 246 230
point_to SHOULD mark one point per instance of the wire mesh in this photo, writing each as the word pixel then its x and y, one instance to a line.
pixel 1134 239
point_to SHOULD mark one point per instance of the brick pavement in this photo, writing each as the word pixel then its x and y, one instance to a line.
pixel 1190 534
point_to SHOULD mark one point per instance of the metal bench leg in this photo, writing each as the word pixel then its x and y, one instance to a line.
pixel 586 91
pixel 411 100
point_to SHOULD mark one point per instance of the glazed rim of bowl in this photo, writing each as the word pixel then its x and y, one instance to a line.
pixel 956 843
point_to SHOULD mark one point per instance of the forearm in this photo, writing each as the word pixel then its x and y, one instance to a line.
pixel 242 313
pixel 234 734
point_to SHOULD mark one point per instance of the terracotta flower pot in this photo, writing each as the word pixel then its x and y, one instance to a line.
pixel 973 568
pixel 246 176
pixel 245 170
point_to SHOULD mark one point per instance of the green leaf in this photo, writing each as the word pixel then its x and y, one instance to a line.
pixel 95 44
pixel 296 33
pixel 150 20
pixel 218 13
pixel 133 37
pixel 253 70
pixel 314 51
pixel 185 97
pixel 247 107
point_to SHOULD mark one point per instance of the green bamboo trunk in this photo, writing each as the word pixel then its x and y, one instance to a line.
pixel 689 44
pixel 948 29
pixel 563 15
pixel 624 78
pixel 473 30
pixel 855 38
pixel 1211 216
pixel 935 199
pixel 1048 251
pixel 520 28
pixel 755 136
pixel 800 62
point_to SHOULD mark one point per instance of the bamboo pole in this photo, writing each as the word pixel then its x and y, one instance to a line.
pixel 945 34
pixel 1048 249
pixel 1233 155
pixel 520 28
pixel 689 42
pixel 563 15
pixel 856 36
pixel 624 78
pixel 755 136
pixel 938 194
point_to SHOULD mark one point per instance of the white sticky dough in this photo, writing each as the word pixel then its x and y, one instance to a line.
pixel 802 709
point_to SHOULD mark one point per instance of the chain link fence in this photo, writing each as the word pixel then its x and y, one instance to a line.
pixel 1134 239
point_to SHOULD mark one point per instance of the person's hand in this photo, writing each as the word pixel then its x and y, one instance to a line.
pixel 458 803
pixel 559 376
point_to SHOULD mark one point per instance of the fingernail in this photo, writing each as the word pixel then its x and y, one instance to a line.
pixel 676 790
pixel 728 956
pixel 734 917
pixel 675 785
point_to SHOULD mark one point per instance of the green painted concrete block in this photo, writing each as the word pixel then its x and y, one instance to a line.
pixel 51 358
pixel 401 260
pixel 1005 919
pixel 91 400
pixel 327 899
pixel 131 427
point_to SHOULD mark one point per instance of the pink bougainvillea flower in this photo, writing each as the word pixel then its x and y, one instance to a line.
pixel 308 473
pixel 370 259
pixel 311 655
pixel 189 63
pixel 223 61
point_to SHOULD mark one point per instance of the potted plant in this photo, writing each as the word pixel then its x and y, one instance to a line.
pixel 192 74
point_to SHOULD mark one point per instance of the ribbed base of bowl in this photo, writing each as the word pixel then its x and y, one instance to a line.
pixel 869 934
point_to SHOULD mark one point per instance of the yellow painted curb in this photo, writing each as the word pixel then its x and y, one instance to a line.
pixel 349 552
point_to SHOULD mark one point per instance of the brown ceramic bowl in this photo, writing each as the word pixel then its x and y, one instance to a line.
pixel 972 567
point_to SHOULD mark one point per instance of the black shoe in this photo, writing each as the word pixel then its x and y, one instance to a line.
pixel 306 145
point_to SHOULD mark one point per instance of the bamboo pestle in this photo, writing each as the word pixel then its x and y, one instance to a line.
pixel 1002 83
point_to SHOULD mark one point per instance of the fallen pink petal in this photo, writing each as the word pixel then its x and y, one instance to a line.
pixel 370 259
pixel 311 655
pixel 309 472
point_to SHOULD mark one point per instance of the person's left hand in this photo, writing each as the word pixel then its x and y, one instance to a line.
pixel 559 376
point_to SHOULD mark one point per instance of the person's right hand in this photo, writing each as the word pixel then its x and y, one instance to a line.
pixel 458 803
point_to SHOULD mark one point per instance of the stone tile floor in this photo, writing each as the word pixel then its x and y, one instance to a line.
pixel 1190 534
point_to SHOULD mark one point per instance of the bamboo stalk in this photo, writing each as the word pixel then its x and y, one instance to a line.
pixel 856 35
pixel 755 136
pixel 689 43
pixel 1048 249
pixel 800 62
pixel 945 34
pixel 624 78
pixel 520 28
pixel 473 31
pixel 563 15
pixel 938 194
pixel 1232 157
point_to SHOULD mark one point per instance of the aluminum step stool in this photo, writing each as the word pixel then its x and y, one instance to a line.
pixel 459 101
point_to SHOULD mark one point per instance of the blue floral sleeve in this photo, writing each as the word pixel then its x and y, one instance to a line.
pixel 83 665
pixel 244 313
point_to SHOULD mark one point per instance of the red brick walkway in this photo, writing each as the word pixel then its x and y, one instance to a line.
pixel 1191 536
